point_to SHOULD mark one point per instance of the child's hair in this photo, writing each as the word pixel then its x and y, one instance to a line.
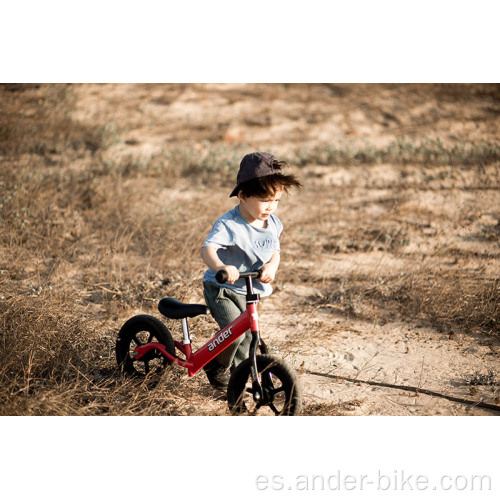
pixel 270 184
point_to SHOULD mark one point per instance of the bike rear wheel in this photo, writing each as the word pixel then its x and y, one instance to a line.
pixel 283 394
pixel 139 330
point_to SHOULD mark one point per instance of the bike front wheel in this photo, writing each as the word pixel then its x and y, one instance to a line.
pixel 280 384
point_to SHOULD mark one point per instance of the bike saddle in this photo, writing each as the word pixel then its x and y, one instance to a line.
pixel 175 309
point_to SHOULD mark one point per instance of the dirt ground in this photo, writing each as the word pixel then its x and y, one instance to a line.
pixel 388 285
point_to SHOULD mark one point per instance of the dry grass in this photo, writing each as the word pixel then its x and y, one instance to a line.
pixel 446 301
pixel 430 152
pixel 91 235
pixel 37 120
pixel 330 409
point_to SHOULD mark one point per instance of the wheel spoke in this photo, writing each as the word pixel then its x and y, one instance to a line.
pixel 146 366
pixel 271 405
pixel 150 338
pixel 268 383
pixel 276 390
pixel 136 340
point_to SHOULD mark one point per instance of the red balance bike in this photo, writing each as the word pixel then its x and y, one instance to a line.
pixel 259 384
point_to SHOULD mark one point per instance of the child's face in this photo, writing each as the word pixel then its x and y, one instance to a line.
pixel 254 208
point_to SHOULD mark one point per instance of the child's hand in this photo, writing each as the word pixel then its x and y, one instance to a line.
pixel 232 273
pixel 268 273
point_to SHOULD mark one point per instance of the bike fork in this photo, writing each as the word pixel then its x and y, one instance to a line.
pixel 252 300
pixel 254 371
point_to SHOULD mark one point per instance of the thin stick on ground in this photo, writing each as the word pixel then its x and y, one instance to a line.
pixel 411 388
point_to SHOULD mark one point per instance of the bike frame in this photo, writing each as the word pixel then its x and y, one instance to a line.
pixel 247 320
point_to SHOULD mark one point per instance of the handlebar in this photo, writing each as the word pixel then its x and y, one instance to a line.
pixel 221 276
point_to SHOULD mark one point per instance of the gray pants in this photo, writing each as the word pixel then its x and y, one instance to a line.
pixel 225 306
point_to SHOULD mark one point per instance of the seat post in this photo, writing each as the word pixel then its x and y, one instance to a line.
pixel 185 331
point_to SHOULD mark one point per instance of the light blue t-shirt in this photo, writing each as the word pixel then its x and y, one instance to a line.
pixel 244 246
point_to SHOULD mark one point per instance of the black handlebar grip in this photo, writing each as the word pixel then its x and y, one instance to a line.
pixel 221 276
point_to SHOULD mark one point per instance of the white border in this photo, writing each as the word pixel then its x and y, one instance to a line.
pixel 260 41
pixel 221 457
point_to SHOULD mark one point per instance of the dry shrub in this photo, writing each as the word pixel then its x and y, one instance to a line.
pixel 451 299
pixel 332 409
pixel 56 363
pixel 445 300
pixel 42 344
pixel 41 338
pixel 430 152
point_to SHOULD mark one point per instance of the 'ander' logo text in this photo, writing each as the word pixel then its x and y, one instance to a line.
pixel 219 339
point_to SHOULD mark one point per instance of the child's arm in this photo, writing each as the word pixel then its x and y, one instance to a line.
pixel 269 269
pixel 211 259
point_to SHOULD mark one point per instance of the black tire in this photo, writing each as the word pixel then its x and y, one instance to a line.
pixel 277 377
pixel 140 330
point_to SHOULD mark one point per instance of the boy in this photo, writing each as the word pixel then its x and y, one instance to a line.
pixel 244 239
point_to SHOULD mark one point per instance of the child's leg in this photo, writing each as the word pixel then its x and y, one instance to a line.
pixel 225 306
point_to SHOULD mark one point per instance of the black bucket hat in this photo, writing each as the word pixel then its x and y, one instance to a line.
pixel 254 165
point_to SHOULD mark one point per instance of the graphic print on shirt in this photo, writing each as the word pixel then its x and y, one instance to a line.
pixel 267 244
